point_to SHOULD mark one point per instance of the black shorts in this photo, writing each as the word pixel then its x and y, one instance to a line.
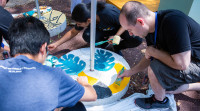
pixel 170 79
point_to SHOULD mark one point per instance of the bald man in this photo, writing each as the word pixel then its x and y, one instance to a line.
pixel 172 55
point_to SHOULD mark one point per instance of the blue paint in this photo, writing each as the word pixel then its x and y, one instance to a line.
pixel 71 64
pixel 104 60
pixel 29 13
pixel 2 45
pixel 52 58
pixel 51 61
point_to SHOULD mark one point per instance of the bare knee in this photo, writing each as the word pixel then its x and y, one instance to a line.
pixel 150 73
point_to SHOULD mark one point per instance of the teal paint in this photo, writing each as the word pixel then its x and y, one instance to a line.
pixel 51 61
pixel 29 13
pixel 101 42
pixel 71 64
pixel 104 60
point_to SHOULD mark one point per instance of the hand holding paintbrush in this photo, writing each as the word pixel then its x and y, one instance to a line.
pixel 118 80
pixel 115 40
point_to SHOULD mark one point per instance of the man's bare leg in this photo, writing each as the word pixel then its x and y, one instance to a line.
pixel 155 85
pixel 186 87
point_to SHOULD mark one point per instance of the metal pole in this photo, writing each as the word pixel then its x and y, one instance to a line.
pixel 38 9
pixel 92 33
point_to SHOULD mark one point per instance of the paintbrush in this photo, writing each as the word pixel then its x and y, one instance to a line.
pixel 102 42
pixel 118 80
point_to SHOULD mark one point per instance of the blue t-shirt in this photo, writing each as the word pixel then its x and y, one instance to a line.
pixel 26 85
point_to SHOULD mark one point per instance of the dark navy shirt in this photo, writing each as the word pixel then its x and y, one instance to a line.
pixel 5 21
pixel 109 19
pixel 27 85
pixel 177 33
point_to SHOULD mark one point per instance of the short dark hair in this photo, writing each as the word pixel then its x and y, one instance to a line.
pixel 27 35
pixel 7 1
pixel 81 12
pixel 132 10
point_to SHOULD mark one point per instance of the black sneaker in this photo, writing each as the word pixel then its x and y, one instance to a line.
pixel 152 103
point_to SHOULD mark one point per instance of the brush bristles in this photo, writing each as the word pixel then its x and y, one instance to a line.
pixel 116 40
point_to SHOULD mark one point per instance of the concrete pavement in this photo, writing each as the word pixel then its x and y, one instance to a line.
pixel 13 3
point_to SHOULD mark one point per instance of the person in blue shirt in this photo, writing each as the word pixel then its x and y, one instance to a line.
pixel 26 84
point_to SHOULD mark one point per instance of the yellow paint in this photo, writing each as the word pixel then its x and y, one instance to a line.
pixel 116 88
pixel 151 4
pixel 91 80
pixel 113 87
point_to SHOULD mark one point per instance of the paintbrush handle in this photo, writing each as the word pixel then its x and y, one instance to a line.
pixel 122 71
pixel 101 42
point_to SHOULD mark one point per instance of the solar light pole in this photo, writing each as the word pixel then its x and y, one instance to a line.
pixel 92 33
pixel 38 9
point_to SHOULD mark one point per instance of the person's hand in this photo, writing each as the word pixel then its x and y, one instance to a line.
pixel 58 109
pixel 6 48
pixel 19 16
pixel 83 80
pixel 127 73
pixel 147 56
pixel 147 52
pixel 110 39
pixel 52 46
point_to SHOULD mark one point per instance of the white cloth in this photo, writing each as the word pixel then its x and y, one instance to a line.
pixel 128 104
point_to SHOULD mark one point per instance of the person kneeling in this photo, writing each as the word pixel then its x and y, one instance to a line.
pixel 26 84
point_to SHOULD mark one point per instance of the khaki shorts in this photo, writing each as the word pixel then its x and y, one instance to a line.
pixel 170 79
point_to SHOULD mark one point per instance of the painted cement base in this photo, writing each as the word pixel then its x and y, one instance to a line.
pixel 55 22
pixel 106 77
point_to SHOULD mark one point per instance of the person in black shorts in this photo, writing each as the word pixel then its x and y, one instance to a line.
pixel 172 54
pixel 5 21
pixel 108 25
